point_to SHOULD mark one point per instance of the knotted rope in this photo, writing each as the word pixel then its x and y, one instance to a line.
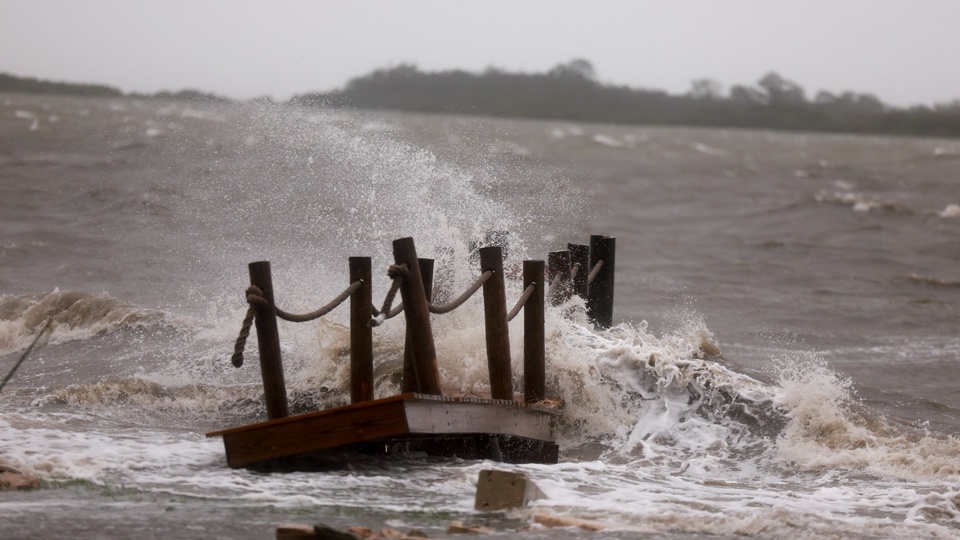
pixel 258 301
pixel 457 302
pixel 398 272
pixel 522 301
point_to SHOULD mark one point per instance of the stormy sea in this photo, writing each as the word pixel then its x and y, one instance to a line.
pixel 783 361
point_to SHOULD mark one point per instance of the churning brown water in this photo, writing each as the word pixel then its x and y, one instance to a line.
pixel 824 267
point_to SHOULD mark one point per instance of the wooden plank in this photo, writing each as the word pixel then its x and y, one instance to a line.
pixel 308 433
pixel 300 418
pixel 398 418
pixel 443 417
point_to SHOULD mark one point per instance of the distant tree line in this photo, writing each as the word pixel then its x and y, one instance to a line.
pixel 27 85
pixel 182 95
pixel 571 91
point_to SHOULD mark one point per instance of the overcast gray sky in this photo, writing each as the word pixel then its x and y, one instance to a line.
pixel 904 51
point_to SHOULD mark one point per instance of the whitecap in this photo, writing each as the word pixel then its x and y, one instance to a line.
pixel 606 140
pixel 709 150
pixel 951 211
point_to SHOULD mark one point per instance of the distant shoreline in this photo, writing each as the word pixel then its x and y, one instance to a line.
pixel 570 92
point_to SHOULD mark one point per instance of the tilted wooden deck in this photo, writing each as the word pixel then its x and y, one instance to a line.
pixel 503 430
pixel 421 420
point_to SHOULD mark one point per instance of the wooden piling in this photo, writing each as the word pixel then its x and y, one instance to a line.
pixel 361 331
pixel 600 294
pixel 409 382
pixel 534 376
pixel 580 255
pixel 417 315
pixel 495 318
pixel 268 340
pixel 558 263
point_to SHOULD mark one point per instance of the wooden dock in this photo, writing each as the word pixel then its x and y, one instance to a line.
pixel 421 419
pixel 471 428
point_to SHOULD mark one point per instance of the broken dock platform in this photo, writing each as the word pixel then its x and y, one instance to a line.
pixel 422 419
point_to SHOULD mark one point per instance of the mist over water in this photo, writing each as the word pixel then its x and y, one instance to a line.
pixel 782 366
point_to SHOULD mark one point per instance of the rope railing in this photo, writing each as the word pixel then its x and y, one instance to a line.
pixel 437 309
pixel 313 315
pixel 521 301
pixel 420 360
pixel 457 302
pixel 257 301
pixel 595 271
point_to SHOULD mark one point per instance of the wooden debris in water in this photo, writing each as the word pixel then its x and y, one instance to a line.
pixel 458 527
pixel 297 531
pixel 501 490
pixel 555 522
pixel 12 479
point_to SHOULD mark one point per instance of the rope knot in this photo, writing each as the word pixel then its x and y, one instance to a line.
pixel 256 298
pixel 401 271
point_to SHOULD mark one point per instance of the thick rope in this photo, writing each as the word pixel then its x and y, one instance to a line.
pixel 522 301
pixel 457 302
pixel 397 309
pixel 257 301
pixel 307 317
pixel 595 271
pixel 398 272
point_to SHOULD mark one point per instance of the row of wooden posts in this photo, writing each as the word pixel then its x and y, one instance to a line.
pixel 569 273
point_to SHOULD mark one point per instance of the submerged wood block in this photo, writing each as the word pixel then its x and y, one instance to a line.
pixel 500 490
pixel 498 429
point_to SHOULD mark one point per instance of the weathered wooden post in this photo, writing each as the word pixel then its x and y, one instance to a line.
pixel 417 315
pixel 600 294
pixel 558 263
pixel 534 376
pixel 409 383
pixel 580 255
pixel 268 340
pixel 495 319
pixel 361 331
